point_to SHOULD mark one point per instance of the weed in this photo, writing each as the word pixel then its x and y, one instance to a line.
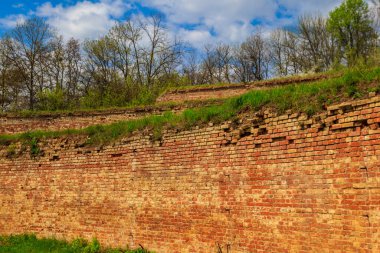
pixel 34 147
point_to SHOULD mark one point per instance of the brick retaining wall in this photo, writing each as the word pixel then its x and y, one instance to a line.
pixel 284 183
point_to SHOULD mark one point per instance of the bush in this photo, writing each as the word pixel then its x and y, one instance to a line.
pixel 51 100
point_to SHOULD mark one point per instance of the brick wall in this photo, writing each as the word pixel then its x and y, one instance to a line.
pixel 204 94
pixel 225 91
pixel 17 124
pixel 284 183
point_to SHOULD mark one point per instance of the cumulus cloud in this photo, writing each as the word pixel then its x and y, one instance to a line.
pixel 310 6
pixel 217 20
pixel 11 21
pixel 197 21
pixel 197 38
pixel 231 21
pixel 84 19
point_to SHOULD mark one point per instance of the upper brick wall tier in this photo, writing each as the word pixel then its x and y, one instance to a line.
pixel 224 91
pixel 53 122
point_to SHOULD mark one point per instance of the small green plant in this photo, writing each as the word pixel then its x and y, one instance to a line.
pixel 34 147
pixel 12 150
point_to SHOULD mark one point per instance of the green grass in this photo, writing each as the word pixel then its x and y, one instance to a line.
pixel 309 98
pixel 253 84
pixel 31 244
pixel 106 110
pixel 36 113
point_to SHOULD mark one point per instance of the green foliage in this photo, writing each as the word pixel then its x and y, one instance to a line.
pixel 93 247
pixel 29 243
pixel 30 139
pixel 78 244
pixel 120 95
pixel 350 25
pixel 34 147
pixel 91 100
pixel 52 100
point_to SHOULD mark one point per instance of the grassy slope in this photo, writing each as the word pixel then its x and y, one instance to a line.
pixel 309 98
pixel 164 105
pixel 30 244
pixel 267 82
pixel 109 110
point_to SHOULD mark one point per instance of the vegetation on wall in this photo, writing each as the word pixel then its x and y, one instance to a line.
pixel 29 243
pixel 308 98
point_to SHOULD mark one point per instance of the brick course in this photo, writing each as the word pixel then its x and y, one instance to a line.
pixel 285 183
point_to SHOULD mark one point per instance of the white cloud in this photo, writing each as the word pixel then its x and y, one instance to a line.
pixel 11 21
pixel 196 38
pixel 84 19
pixel 310 6
pixel 197 21
pixel 231 21
pixel 227 20
pixel 18 6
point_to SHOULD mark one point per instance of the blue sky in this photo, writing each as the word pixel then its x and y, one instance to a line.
pixel 197 21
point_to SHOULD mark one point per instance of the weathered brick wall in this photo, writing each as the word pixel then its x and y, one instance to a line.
pixel 225 91
pixel 204 94
pixel 270 184
pixel 18 124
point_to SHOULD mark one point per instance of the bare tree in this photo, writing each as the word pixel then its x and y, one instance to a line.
pixel 161 56
pixel 291 45
pixel 10 79
pixel 280 62
pixel 317 46
pixel 208 65
pixel 100 63
pixel 29 46
pixel 132 32
pixel 223 54
pixel 5 67
pixel 121 36
pixel 216 66
pixel 191 67
pixel 56 64
pixel 73 61
pixel 252 60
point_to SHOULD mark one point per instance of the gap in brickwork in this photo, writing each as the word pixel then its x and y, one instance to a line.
pixel 347 108
pixel 262 131
pixel 277 139
pixel 55 158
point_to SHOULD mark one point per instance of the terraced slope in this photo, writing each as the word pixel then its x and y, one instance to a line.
pixel 204 92
pixel 175 101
